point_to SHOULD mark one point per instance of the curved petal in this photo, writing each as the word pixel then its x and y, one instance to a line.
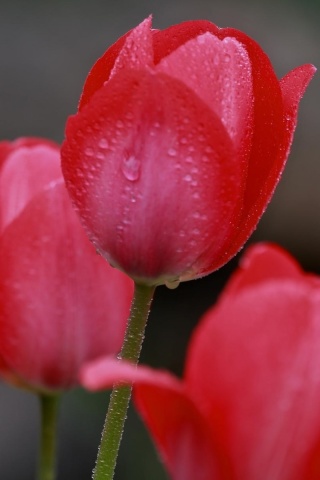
pixel 253 371
pixel 147 129
pixel 268 118
pixel 260 263
pixel 293 86
pixel 57 295
pixel 177 427
pixel 132 50
pixel 28 167
pixel 105 372
pixel 168 40
pixel 137 51
pixel 101 70
pixel 275 117
pixel 219 72
pixel 164 42
pixel 7 147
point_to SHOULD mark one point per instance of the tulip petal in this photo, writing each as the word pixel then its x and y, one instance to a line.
pixel 105 372
pixel 261 398
pixel 132 50
pixel 219 72
pixel 137 51
pixel 168 40
pixel 260 263
pixel 149 128
pixel 51 319
pixel 272 137
pixel 28 168
pixel 268 121
pixel 179 431
pixel 293 86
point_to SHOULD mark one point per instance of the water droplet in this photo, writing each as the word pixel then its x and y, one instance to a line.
pixel 131 167
pixel 100 155
pixel 172 284
pixel 172 152
pixel 89 152
pixel 201 39
pixel 187 178
pixel 189 159
pixel 103 143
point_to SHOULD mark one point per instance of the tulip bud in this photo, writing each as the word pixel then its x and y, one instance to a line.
pixel 179 141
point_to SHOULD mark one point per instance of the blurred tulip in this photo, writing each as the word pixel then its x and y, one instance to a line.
pixel 60 303
pixel 178 144
pixel 248 404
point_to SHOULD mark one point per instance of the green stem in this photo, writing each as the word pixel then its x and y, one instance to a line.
pixel 120 397
pixel 49 410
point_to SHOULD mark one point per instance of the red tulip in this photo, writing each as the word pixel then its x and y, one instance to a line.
pixel 60 303
pixel 248 404
pixel 178 144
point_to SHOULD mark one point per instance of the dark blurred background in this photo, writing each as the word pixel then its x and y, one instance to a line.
pixel 46 50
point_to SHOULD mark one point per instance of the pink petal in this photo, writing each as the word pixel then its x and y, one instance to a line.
pixel 165 41
pixel 272 138
pixel 132 50
pixel 162 163
pixel 61 304
pixel 103 373
pixel 100 72
pixel 28 167
pixel 176 426
pixel 168 40
pixel 293 86
pixel 137 51
pixel 260 263
pixel 219 72
pixel 253 370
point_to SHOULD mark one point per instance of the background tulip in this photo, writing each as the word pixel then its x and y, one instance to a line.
pixel 61 304
pixel 248 405
pixel 178 144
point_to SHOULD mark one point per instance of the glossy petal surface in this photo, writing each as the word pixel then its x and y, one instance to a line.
pixel 26 171
pixel 252 381
pixel 261 342
pixel 129 156
pixel 197 121
pixel 57 295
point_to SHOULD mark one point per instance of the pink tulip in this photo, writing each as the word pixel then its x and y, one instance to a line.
pixel 248 406
pixel 178 144
pixel 60 303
